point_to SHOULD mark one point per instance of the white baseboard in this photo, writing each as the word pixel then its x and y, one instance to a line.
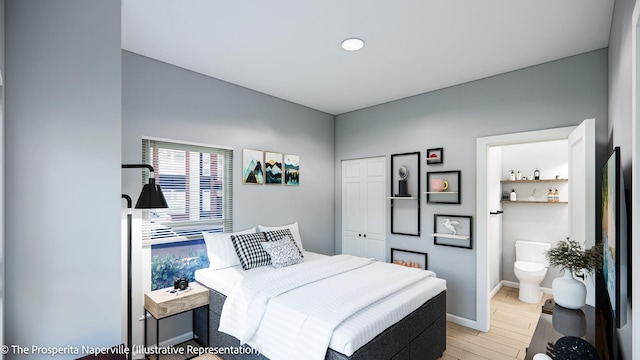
pixel 517 286
pixel 462 321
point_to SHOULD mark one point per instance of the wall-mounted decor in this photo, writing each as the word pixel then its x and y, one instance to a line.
pixel 443 187
pixel 291 169
pixel 453 230
pixel 405 194
pixel 435 156
pixel 252 166
pixel 409 258
pixel 273 167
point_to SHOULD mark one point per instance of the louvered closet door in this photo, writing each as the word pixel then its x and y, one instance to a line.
pixel 363 207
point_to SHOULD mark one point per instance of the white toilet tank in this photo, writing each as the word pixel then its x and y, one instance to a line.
pixel 531 251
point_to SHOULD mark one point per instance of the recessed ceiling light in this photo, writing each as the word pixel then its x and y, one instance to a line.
pixel 352 44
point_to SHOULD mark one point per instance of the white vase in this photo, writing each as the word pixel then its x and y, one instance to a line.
pixel 569 292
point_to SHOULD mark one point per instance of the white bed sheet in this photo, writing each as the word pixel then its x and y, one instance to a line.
pixel 351 334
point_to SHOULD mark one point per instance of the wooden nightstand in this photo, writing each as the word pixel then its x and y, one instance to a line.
pixel 163 304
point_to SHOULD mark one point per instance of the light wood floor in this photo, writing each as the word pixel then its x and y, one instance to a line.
pixel 512 325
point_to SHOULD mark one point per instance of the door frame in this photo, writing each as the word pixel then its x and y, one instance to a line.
pixel 483 144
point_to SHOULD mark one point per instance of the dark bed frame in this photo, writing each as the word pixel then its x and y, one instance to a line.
pixel 419 335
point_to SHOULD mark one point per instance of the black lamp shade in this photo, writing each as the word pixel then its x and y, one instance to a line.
pixel 151 197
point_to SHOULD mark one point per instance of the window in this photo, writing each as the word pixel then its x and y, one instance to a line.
pixel 196 181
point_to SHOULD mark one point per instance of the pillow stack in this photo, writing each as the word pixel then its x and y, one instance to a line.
pixel 279 246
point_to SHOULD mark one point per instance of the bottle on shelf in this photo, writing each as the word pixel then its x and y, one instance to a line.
pixel 513 195
pixel 536 174
pixel 512 176
pixel 550 196
pixel 519 175
pixel 556 196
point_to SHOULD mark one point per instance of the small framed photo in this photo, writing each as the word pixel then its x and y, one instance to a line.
pixel 291 169
pixel 453 230
pixel 252 166
pixel 273 167
pixel 435 156
pixel 409 258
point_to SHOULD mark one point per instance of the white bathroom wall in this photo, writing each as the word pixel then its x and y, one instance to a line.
pixel 534 222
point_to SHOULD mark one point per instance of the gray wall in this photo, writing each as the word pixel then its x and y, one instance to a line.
pixel 619 127
pixel 550 95
pixel 164 101
pixel 2 272
pixel 62 175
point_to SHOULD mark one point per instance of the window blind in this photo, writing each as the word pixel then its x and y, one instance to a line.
pixel 197 183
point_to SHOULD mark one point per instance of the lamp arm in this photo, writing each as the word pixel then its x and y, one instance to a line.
pixel 139 166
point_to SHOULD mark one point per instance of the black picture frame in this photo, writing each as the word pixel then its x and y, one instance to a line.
pixel 451 195
pixel 435 156
pixel 462 236
pixel 405 206
pixel 414 255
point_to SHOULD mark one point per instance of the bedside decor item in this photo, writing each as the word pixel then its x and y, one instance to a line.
pixel 435 156
pixel 291 169
pixel 151 197
pixel 569 255
pixel 273 167
pixel 252 169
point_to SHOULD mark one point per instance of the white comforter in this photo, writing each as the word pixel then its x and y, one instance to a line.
pixel 314 298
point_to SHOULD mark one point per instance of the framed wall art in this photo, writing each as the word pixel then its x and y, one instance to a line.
pixel 273 167
pixel 291 169
pixel 405 194
pixel 453 230
pixel 252 166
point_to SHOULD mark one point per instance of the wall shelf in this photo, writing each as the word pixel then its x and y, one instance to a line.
pixel 440 192
pixel 402 197
pixel 450 236
pixel 524 181
pixel 533 202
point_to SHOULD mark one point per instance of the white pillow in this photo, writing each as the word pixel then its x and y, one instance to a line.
pixel 220 249
pixel 292 227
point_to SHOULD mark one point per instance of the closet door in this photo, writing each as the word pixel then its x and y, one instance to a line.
pixel 363 207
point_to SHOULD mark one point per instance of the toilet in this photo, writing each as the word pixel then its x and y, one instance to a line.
pixel 530 269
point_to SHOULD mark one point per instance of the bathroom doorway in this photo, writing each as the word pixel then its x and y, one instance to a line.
pixel 580 198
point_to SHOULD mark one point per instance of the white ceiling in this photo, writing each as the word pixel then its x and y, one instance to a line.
pixel 291 49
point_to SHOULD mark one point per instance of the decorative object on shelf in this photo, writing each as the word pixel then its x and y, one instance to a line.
pixel 532 197
pixel 439 185
pixel 512 176
pixel 569 255
pixel 403 173
pixel 550 196
pixel 291 169
pixel 443 187
pixel 405 208
pixel 453 230
pixel 273 167
pixel 518 175
pixel 536 174
pixel 435 156
pixel 252 169
pixel 505 195
pixel 410 258
pixel 513 196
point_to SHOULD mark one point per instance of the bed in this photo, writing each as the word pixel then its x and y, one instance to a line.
pixel 317 309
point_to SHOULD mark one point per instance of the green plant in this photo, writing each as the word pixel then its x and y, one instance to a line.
pixel 164 270
pixel 570 254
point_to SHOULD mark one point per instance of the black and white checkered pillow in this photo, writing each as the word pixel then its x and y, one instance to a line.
pixel 276 235
pixel 284 252
pixel 249 250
